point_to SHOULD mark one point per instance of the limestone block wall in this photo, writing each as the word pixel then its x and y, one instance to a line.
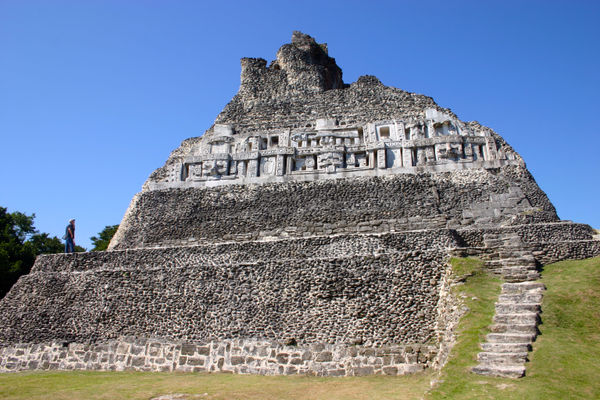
pixel 238 356
pixel 297 209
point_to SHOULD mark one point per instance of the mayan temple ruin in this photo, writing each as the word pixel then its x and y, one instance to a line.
pixel 308 231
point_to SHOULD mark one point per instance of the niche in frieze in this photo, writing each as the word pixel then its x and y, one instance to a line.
pixel 393 158
pixel 194 172
pixel 430 154
pixel 350 160
pixel 383 132
pixel 232 168
pixel 298 164
pixel 219 147
pixel 468 152
pixel 250 145
pixel 214 169
pixel 274 141
pixel 241 168
pixel 310 162
pixel 262 143
pixel 330 161
pixel 445 128
pixel 361 138
pixel 267 166
pixel 417 132
pixel 449 151
pixel 478 152
pixel 419 156
pixel 361 159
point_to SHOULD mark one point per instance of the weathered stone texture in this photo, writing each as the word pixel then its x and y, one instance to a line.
pixel 530 233
pixel 180 294
pixel 297 209
pixel 238 356
pixel 248 252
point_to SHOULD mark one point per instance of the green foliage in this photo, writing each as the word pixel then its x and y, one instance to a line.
pixel 101 241
pixel 44 244
pixel 20 244
pixel 16 255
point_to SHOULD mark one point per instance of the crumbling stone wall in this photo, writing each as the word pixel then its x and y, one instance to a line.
pixel 532 233
pixel 178 293
pixel 303 82
pixel 262 251
pixel 296 209
pixel 341 305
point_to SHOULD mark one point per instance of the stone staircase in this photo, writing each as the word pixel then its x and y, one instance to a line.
pixel 517 310
pixel 511 259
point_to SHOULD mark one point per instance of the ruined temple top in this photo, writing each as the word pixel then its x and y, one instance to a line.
pixel 296 119
pixel 303 64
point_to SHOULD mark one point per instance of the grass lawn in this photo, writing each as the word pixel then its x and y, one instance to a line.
pixel 145 385
pixel 565 363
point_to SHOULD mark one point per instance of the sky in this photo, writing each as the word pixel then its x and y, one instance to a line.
pixel 94 95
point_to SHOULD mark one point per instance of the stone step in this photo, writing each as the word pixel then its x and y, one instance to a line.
pixel 517 318
pixel 526 276
pixel 502 358
pixel 513 261
pixel 517 271
pixel 509 308
pixel 505 347
pixel 527 268
pixel 510 337
pixel 509 288
pixel 493 243
pixel 506 371
pixel 521 298
pixel 508 253
pixel 504 252
pixel 514 328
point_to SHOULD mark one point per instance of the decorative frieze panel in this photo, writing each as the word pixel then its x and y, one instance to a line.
pixel 324 147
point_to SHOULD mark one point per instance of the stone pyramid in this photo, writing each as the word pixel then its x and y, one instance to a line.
pixel 307 231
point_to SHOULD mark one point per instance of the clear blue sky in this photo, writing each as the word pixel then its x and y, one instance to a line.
pixel 95 94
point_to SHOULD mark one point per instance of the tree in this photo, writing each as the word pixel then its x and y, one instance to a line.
pixel 103 239
pixel 16 255
pixel 20 244
pixel 44 244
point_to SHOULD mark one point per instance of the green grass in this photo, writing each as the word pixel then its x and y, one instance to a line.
pixel 479 291
pixel 565 363
pixel 145 385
